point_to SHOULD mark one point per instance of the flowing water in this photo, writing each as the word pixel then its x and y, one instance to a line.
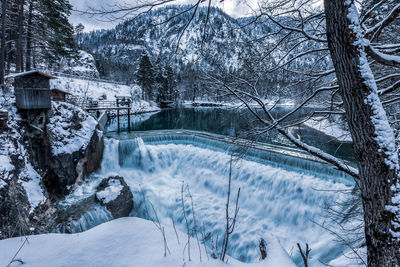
pixel 283 191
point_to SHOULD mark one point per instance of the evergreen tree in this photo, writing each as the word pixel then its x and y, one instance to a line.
pixel 161 83
pixel 145 77
pixel 79 31
pixel 56 30
pixel 171 83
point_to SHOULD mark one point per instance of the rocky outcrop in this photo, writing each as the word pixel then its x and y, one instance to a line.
pixel 84 66
pixel 68 170
pixel 69 148
pixel 14 210
pixel 111 200
pixel 43 155
pixel 23 205
pixel 115 195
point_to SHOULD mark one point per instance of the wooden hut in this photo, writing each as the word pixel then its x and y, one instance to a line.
pixel 59 95
pixel 32 90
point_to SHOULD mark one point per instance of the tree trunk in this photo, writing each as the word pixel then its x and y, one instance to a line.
pixel 29 38
pixel 19 55
pixel 3 41
pixel 377 159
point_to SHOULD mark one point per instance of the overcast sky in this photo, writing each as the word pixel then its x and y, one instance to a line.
pixel 236 8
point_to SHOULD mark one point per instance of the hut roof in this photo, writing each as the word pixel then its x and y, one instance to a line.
pixel 31 72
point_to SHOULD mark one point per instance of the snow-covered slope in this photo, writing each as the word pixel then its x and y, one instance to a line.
pixel 90 88
pixel 333 129
pixel 83 88
pixel 158 31
pixel 123 242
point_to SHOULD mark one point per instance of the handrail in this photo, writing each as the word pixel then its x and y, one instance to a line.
pixel 99 104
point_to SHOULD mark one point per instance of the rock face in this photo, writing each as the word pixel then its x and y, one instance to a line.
pixel 43 155
pixel 66 171
pixel 84 66
pixel 14 210
pixel 114 193
pixel 75 148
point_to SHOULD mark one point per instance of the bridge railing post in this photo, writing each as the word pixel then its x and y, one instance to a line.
pixel 129 116
pixel 118 115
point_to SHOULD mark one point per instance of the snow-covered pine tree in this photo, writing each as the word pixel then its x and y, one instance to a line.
pixel 57 32
pixel 145 77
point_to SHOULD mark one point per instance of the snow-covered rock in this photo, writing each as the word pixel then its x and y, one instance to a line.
pixel 114 193
pixel 84 66
pixel 70 128
pixel 21 190
pixel 76 146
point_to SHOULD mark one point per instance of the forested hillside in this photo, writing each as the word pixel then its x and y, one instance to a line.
pixel 191 49
pixel 36 34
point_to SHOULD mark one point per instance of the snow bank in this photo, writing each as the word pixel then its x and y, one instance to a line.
pixel 332 129
pixel 141 106
pixel 70 128
pixel 89 88
pixel 122 242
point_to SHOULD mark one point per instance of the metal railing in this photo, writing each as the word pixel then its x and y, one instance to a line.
pixel 90 104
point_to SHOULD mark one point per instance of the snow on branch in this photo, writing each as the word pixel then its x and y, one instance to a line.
pixel 373 32
pixel 389 89
pixel 295 29
pixel 305 53
pixel 271 123
pixel 385 59
pixel 369 12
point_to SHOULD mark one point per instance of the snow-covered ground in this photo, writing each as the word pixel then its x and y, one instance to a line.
pixel 123 242
pixel 89 88
pixel 334 129
pixel 83 88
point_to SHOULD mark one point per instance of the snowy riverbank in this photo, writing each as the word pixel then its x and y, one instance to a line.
pixel 333 129
pixel 123 242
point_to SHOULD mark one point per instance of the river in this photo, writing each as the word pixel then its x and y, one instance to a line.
pixel 283 190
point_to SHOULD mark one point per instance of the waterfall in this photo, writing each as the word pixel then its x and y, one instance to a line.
pixel 90 218
pixel 280 194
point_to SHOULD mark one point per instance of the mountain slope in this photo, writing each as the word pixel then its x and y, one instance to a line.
pixel 158 32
